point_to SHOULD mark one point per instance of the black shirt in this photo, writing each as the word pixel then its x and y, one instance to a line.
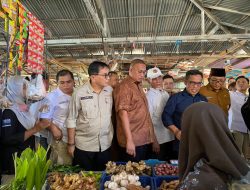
pixel 12 133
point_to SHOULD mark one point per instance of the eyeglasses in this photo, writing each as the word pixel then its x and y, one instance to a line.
pixel 106 76
pixel 217 81
pixel 192 83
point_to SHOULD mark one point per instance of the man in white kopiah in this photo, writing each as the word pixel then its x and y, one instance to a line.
pixel 157 99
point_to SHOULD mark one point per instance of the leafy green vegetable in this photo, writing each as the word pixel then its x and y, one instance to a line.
pixel 30 170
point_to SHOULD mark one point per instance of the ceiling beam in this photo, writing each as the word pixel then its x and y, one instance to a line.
pixel 226 10
pixel 129 17
pixel 148 39
pixel 198 4
pixel 235 26
pixel 104 16
pixel 213 30
pixel 157 18
pixel 185 19
pixel 95 16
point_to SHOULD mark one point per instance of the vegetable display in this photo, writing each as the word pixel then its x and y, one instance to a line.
pixel 131 168
pixel 30 170
pixel 165 169
pixel 123 181
pixel 65 169
pixel 172 185
pixel 82 180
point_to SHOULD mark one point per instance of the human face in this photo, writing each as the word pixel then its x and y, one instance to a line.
pixel 156 83
pixel 242 85
pixel 66 84
pixel 113 80
pixel 193 84
pixel 217 82
pixel 168 84
pixel 138 71
pixel 101 79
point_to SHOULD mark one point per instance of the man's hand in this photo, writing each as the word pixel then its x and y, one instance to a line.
pixel 130 148
pixel 178 135
pixel 56 132
pixel 71 150
pixel 43 124
pixel 156 147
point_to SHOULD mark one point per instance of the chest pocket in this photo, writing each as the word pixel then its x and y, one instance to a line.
pixel 108 101
pixel 62 110
pixel 89 108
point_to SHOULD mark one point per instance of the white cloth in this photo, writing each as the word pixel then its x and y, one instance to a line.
pixel 57 111
pixel 15 95
pixel 237 100
pixel 35 110
pixel 157 100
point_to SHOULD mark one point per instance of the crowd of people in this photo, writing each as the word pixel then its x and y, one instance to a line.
pixel 107 119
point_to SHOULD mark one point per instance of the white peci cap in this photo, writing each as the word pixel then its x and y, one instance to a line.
pixel 154 73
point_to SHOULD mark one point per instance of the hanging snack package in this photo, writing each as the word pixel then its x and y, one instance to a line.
pixel 36 90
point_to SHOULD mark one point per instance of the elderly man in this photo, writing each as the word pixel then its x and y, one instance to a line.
pixel 215 92
pixel 135 131
pixel 157 99
pixel 178 103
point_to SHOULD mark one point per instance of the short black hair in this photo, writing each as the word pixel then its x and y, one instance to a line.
pixel 230 79
pixel 242 77
pixel 232 85
pixel 193 72
pixel 64 72
pixel 168 77
pixel 95 67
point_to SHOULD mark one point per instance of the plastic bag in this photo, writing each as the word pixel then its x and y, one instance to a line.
pixel 36 89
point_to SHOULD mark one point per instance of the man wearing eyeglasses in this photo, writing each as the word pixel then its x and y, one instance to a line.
pixel 177 104
pixel 215 91
pixel 90 129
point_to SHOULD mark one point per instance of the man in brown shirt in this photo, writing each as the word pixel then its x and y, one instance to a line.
pixel 135 131
pixel 215 91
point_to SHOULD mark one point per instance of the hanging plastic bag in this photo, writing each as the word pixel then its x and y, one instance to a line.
pixel 36 89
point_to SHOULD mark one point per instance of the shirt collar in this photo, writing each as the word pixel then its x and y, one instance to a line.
pixel 156 90
pixel 131 80
pixel 209 87
pixel 90 89
pixel 61 93
pixel 185 93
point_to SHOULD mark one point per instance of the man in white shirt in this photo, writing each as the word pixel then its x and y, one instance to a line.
pixel 238 126
pixel 90 129
pixel 157 99
pixel 57 113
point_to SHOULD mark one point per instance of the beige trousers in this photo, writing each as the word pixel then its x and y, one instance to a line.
pixel 59 153
pixel 243 142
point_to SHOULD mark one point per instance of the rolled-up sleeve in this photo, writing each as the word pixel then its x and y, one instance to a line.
pixel 74 107
pixel 168 112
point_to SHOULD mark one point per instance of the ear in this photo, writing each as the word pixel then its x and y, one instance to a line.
pixel 185 82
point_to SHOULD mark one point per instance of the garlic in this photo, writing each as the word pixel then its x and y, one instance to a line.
pixel 123 175
pixel 106 184
pixel 124 183
pixel 113 185
pixel 137 183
